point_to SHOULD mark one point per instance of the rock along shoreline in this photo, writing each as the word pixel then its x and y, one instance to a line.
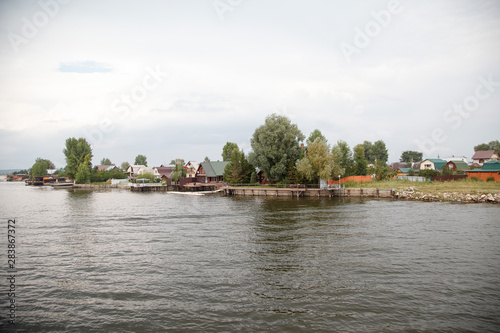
pixel 414 194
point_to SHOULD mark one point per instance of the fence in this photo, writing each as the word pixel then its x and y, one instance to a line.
pixel 447 178
pixel 414 178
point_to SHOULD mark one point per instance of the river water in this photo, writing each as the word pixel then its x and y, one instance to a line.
pixel 117 261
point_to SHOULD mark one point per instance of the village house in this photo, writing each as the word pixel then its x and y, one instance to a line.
pixel 490 170
pixel 106 167
pixel 432 164
pixel 457 165
pixel 482 156
pixel 457 158
pixel 210 172
pixel 403 171
pixel 144 170
pixel 163 172
pixel 133 170
pixel 191 169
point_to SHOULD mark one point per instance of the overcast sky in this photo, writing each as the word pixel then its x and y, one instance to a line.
pixel 178 79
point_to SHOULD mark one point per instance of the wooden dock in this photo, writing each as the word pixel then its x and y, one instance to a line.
pixel 310 192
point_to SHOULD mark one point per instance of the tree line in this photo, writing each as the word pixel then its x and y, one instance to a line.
pixel 277 150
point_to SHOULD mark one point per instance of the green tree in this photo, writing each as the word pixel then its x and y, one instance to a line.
pixel 77 151
pixel 360 163
pixel 179 171
pixel 314 135
pixel 227 150
pixel 106 161
pixel 207 159
pixel 369 156
pixel 146 175
pixel 39 169
pixel 238 170
pixel 410 155
pixel 446 171
pixel 317 162
pixel 275 144
pixel 492 145
pixel 141 160
pixel 83 170
pixel 124 166
pixel 379 152
pixel 342 158
pixel 383 171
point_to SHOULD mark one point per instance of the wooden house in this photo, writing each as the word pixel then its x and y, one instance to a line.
pixel 210 172
pixel 489 169
pixel 432 164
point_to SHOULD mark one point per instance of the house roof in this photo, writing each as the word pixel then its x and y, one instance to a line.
pixel 135 168
pixel 103 167
pixel 399 165
pixel 491 166
pixel 438 163
pixel 404 170
pixel 193 164
pixel 214 169
pixel 483 154
pixel 461 165
pixel 165 171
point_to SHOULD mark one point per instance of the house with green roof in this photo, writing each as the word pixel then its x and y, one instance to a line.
pixel 457 165
pixel 432 164
pixel 489 170
pixel 211 172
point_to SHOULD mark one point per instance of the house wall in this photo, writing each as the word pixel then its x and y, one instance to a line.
pixel 427 165
pixel 484 175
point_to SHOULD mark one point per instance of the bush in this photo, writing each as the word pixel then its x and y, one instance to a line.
pixel 475 179
pixel 428 173
pixel 490 179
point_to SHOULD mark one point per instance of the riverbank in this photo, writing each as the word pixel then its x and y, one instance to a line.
pixel 460 191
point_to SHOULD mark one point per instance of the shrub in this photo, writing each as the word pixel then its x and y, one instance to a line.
pixel 490 179
pixel 476 179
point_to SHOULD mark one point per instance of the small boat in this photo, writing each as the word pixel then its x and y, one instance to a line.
pixel 63 185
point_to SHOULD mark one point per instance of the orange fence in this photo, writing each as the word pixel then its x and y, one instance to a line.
pixel 357 179
pixel 484 175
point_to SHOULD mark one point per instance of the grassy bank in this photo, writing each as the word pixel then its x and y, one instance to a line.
pixel 464 186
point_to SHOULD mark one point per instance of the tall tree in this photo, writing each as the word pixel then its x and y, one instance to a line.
pixel 106 161
pixel 77 151
pixel 360 163
pixel 492 145
pixel 207 159
pixel 317 162
pixel 314 135
pixel 141 160
pixel 342 158
pixel 83 170
pixel 227 150
pixel 369 156
pixel 379 152
pixel 275 144
pixel 39 169
pixel 409 155
pixel 238 170
pixel 179 170
pixel 124 166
